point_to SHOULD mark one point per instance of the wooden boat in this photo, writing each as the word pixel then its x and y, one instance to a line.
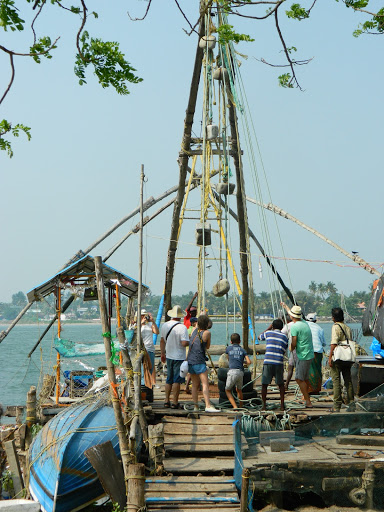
pixel 61 477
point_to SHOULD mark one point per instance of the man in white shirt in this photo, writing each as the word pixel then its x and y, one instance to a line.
pixel 174 339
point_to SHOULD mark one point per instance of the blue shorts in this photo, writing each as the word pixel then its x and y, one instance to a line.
pixel 196 369
pixel 173 372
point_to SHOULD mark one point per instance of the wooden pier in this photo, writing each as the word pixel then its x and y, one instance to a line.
pixel 199 462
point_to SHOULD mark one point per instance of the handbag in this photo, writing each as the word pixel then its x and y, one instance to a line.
pixel 184 369
pixel 345 350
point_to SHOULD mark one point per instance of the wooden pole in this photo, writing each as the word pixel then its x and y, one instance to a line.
pixel 244 490
pixel 5 333
pixel 58 313
pixel 183 166
pixel 31 407
pixel 354 257
pixel 260 247
pixel 243 221
pixel 110 367
pixel 138 316
pixel 127 365
pixel 66 305
pixel 136 486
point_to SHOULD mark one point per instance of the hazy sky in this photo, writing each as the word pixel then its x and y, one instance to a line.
pixel 79 175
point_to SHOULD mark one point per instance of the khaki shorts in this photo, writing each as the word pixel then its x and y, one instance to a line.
pixel 234 378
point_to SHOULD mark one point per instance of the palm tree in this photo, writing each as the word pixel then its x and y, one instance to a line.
pixel 313 287
pixel 331 288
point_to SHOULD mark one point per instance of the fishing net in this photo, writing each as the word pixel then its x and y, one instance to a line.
pixel 69 348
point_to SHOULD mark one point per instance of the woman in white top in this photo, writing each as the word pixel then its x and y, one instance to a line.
pixel 148 329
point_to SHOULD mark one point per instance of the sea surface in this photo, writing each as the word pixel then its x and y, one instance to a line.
pixel 19 372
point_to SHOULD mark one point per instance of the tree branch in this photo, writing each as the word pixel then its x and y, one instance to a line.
pixel 80 31
pixel 291 64
pixel 34 19
pixel 145 14
pixel 12 54
pixel 11 81
pixel 193 28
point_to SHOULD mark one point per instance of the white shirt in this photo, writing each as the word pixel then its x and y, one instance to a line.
pixel 173 347
pixel 147 336
pixel 287 330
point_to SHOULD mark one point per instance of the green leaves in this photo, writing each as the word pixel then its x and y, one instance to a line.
pixel 110 65
pixel 297 12
pixel 285 80
pixel 356 4
pixel 227 34
pixel 6 127
pixel 41 47
pixel 9 16
pixel 373 26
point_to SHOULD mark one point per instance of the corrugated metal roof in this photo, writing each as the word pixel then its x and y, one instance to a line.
pixel 86 267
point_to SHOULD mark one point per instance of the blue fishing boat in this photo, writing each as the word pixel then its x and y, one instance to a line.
pixel 61 477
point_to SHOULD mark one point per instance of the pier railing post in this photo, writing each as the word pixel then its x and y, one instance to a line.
pixel 244 490
pixel 123 442
pixel 136 487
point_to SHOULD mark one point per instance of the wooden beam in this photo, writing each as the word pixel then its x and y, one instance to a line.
pixel 109 470
pixel 14 466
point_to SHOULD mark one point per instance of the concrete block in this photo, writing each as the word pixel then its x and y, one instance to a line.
pixel 280 445
pixel 19 505
pixel 265 437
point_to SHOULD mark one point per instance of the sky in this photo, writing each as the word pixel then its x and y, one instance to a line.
pixel 80 173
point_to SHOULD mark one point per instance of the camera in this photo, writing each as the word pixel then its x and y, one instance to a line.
pixel 147 317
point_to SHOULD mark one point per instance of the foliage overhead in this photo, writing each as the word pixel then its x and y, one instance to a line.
pixel 110 65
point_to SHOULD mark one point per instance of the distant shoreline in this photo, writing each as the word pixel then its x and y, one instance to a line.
pixel 5 324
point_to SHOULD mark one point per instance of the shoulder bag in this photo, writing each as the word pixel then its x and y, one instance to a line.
pixel 185 365
pixel 345 350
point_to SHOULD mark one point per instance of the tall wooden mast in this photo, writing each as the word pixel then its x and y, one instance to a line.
pixel 204 54
pixel 183 166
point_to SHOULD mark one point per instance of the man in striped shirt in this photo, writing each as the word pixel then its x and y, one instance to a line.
pixel 276 346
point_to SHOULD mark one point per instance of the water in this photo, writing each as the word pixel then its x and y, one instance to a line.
pixel 18 372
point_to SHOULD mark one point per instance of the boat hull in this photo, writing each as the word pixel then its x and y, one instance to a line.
pixel 61 477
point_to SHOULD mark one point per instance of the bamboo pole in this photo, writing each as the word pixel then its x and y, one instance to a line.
pixel 127 365
pixel 110 367
pixel 58 313
pixel 4 334
pixel 66 305
pixel 354 257
pixel 140 347
pixel 140 278
pixel 183 167
pixel 259 246
pixel 242 219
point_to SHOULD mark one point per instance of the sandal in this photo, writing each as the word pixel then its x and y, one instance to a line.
pixel 167 405
pixel 176 406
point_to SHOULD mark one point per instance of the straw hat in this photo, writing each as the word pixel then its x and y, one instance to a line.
pixel 175 312
pixel 295 312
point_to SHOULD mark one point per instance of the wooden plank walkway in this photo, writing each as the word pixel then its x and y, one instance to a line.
pixel 199 460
